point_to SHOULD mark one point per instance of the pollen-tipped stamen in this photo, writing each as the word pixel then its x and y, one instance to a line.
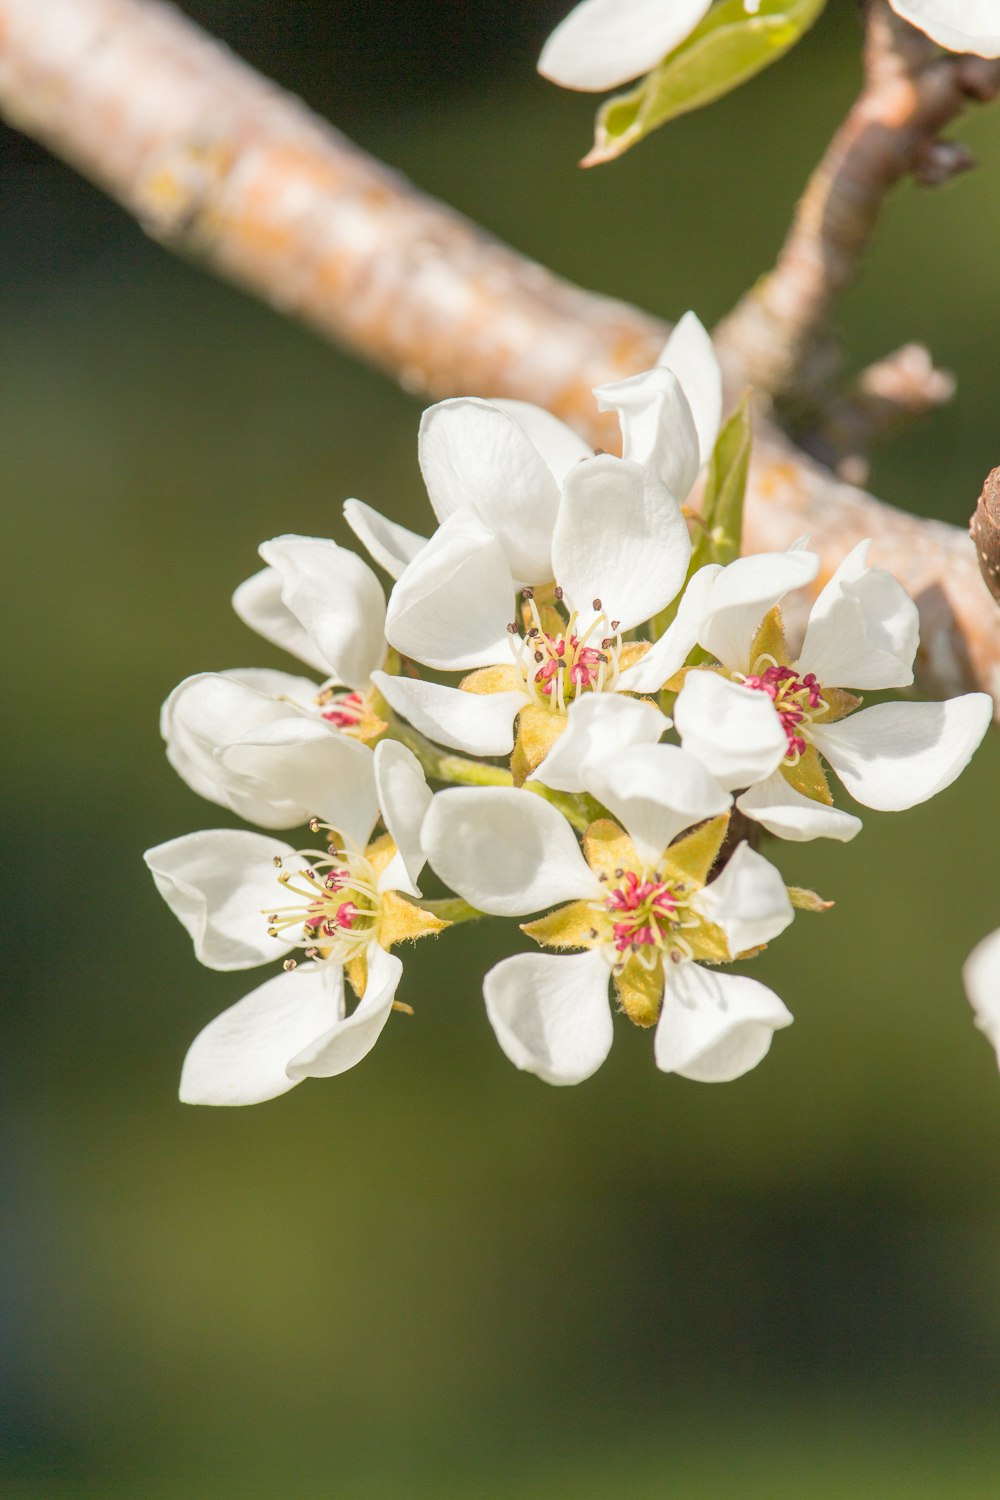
pixel 338 912
pixel 556 668
pixel 797 701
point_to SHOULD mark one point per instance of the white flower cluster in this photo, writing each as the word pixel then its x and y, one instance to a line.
pixel 560 585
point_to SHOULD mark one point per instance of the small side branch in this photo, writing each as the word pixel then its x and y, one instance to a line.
pixel 776 338
pixel 884 400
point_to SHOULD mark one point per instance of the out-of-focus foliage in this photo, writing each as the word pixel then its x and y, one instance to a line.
pixel 435 1277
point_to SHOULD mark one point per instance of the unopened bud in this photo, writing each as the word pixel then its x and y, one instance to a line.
pixel 984 528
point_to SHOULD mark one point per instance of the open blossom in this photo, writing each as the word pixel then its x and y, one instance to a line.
pixel 640 909
pixel 981 974
pixel 247 899
pixel 597 545
pixel 762 718
pixel 507 473
pixel 243 738
pixel 323 604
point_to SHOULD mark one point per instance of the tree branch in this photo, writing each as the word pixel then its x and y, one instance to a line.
pixel 776 336
pixel 216 161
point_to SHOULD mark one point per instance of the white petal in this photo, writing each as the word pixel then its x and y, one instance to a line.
pixel 220 884
pixel 667 655
pixel 551 1013
pixel 748 901
pixel 286 687
pixel 327 774
pixel 505 851
pixel 241 1056
pixel 785 812
pixel 715 1027
pixel 981 973
pixel 895 755
pixel 558 444
pixel 404 797
pixel 352 1037
pixel 259 604
pixel 732 730
pixel 451 607
pixel 473 453
pixel 689 353
pixel 961 25
pixel 203 713
pixel 658 428
pixel 476 723
pixel 602 43
pixel 336 598
pixel 743 593
pixel 655 791
pixel 620 538
pixel 391 545
pixel 863 629
pixel 598 726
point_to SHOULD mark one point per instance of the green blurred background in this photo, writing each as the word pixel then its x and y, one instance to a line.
pixel 436 1277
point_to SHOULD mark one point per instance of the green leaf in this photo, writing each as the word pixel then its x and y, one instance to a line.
pixel 720 523
pixel 726 49
pixel 725 488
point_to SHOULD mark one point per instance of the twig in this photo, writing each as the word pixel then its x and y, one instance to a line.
pixel 886 398
pixel 216 161
pixel 776 336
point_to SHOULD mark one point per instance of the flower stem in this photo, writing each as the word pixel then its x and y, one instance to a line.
pixel 441 765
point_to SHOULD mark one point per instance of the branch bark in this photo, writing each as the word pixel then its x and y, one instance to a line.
pixel 775 335
pixel 217 162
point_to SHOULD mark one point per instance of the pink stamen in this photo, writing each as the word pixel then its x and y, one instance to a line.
pixel 647 904
pixel 792 696
pixel 345 711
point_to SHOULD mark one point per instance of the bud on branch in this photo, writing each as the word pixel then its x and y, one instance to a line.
pixel 984 528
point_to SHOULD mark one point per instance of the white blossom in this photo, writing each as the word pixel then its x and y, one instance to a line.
pixel 761 719
pixel 523 504
pixel 231 890
pixel 640 907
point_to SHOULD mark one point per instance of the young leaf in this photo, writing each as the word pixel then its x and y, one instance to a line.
pixel 806 900
pixel 727 48
pixel 719 527
pixel 725 487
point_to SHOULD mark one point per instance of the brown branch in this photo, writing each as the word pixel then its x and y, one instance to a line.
pixel 776 336
pixel 218 162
